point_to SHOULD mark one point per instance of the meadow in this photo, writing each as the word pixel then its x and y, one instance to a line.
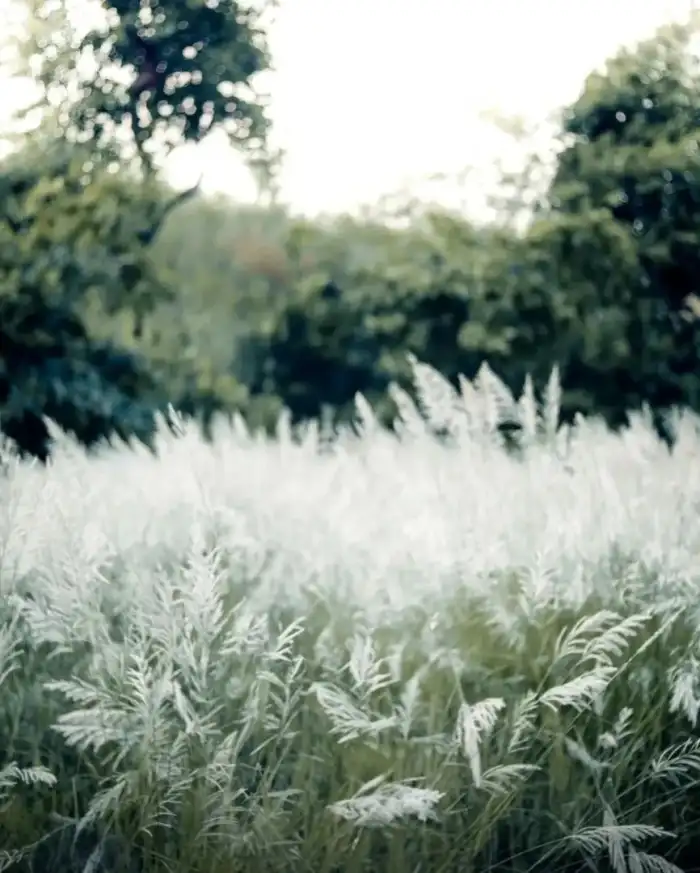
pixel 378 653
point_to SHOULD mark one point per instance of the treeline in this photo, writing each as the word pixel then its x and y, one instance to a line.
pixel 118 297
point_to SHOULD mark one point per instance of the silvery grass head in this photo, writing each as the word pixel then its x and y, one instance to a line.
pixel 400 651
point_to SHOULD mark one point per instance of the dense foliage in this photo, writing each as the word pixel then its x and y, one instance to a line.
pixel 606 274
pixel 221 307
pixel 81 207
pixel 69 256
pixel 600 282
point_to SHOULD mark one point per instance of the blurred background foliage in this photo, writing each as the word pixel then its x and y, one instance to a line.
pixel 119 296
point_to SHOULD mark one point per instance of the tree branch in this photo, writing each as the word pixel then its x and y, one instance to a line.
pixel 147 236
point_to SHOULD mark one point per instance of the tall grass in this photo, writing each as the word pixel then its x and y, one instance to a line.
pixel 388 653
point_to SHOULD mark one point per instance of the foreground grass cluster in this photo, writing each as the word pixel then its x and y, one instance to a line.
pixel 380 654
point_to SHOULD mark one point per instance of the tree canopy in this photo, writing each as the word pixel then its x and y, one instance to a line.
pixel 81 205
pixel 603 281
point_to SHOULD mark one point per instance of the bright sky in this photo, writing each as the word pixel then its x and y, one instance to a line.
pixel 370 95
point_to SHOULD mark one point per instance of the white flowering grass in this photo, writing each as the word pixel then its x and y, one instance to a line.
pixel 381 654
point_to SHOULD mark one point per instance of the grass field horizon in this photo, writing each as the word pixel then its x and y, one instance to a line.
pixel 389 652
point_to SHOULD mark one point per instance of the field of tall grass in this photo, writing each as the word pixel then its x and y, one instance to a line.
pixel 378 653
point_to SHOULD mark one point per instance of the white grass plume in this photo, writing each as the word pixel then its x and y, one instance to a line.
pixel 381 804
pixel 475 723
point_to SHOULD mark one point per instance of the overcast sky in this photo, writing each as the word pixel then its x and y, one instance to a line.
pixel 371 94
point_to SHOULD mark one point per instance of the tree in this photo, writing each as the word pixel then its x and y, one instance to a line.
pixel 602 284
pixel 374 295
pixel 152 76
pixel 79 211
pixel 50 368
pixel 69 238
